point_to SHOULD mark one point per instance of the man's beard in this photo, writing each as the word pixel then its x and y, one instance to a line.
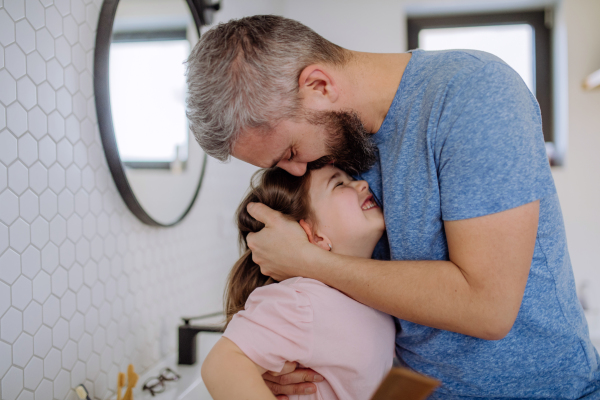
pixel 350 145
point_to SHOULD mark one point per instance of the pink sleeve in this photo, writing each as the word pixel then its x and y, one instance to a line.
pixel 275 327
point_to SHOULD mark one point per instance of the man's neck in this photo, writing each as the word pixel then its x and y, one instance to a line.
pixel 372 83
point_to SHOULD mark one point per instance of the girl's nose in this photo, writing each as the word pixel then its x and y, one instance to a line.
pixel 361 186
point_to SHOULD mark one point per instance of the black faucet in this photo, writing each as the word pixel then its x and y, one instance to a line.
pixel 187 337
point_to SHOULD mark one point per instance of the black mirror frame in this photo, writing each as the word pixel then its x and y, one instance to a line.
pixel 104 113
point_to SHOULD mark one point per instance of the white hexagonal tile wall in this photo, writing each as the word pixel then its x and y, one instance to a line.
pixel 42 341
pixel 5 358
pixel 37 122
pixel 19 235
pixel 11 325
pixel 12 383
pixel 52 363
pixel 28 205
pixel 18 177
pixel 8 146
pixel 31 261
pixel 21 293
pixel 38 178
pixel 10 266
pixel 34 373
pixel 36 69
pixel 44 43
pixel 14 60
pixel 7 28
pixel 27 149
pixel 44 391
pixel 41 287
pixel 4 298
pixel 23 350
pixel 32 318
pixel 26 92
pixel 16 119
pixel 25 36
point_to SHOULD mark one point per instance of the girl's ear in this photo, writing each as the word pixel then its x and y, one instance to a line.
pixel 313 236
pixel 308 230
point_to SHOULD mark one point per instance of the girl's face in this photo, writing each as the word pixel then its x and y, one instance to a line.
pixel 346 214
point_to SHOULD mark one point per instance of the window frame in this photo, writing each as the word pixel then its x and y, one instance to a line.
pixel 542 34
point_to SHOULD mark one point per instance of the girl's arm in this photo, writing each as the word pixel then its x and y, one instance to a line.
pixel 229 374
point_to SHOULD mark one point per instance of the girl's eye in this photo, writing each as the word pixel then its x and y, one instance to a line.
pixel 291 156
pixel 339 184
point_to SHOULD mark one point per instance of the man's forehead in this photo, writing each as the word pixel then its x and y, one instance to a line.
pixel 260 148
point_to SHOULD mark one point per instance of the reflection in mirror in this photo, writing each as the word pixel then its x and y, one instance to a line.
pixel 163 165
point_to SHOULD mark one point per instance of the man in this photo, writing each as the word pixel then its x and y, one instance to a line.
pixel 451 144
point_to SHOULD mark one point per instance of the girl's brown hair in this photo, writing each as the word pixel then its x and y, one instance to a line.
pixel 282 192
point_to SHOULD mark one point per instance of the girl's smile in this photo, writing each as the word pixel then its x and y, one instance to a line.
pixel 345 213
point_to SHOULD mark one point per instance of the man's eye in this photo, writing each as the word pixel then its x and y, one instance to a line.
pixel 339 184
pixel 291 156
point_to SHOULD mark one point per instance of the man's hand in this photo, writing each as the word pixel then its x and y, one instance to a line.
pixel 281 247
pixel 292 380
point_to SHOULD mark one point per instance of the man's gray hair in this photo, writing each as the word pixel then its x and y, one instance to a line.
pixel 243 74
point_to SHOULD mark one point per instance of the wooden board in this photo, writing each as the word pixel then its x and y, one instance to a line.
pixel 404 384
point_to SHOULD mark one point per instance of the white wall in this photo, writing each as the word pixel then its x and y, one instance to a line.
pixel 578 182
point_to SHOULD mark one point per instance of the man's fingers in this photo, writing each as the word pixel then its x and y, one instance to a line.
pixel 300 388
pixel 300 375
pixel 288 367
pixel 261 212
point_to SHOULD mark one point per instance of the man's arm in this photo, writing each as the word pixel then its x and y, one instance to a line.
pixel 478 292
pixel 229 374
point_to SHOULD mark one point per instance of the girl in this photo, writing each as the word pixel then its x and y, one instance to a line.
pixel 303 320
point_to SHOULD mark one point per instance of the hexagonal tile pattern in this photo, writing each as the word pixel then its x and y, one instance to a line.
pixel 10 266
pixel 26 92
pixel 16 119
pixel 9 87
pixel 41 287
pixel 32 318
pixel 23 350
pixel 11 325
pixel 42 341
pixel 82 282
pixel 18 177
pixel 38 178
pixel 25 36
pixel 12 383
pixel 34 373
pixel 14 60
pixel 21 293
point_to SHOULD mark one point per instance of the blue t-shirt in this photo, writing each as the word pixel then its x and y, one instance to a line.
pixel 463 139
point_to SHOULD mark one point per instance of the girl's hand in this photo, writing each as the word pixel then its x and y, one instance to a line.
pixel 281 248
pixel 292 380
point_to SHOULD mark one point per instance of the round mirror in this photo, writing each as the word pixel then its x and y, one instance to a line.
pixel 140 89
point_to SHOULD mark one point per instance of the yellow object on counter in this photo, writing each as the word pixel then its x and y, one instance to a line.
pixel 120 385
pixel 132 379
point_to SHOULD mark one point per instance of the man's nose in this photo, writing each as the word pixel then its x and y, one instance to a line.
pixel 294 168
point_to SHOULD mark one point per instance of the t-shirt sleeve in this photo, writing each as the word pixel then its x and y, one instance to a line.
pixel 490 146
pixel 274 327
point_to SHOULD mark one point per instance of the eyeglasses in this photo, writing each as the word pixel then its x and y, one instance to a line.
pixel 157 384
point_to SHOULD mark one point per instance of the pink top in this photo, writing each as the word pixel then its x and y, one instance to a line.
pixel 303 320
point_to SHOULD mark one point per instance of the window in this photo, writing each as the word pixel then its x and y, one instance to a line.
pixel 521 39
pixel 147 87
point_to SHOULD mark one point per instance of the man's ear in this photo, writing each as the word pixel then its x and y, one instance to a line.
pixel 313 237
pixel 317 87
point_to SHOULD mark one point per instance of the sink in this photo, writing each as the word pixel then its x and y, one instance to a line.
pixel 190 385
